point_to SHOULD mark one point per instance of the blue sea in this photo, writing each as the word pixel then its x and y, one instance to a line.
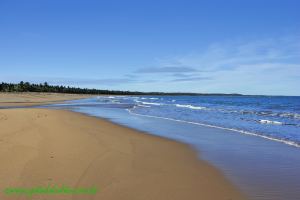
pixel 253 140
pixel 271 117
pixel 276 118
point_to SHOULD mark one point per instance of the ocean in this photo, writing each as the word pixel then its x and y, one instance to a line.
pixel 276 118
pixel 253 140
pixel 272 117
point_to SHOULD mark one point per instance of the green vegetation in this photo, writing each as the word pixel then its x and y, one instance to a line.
pixel 45 87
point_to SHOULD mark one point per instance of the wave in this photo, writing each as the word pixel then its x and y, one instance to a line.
pixel 272 114
pixel 269 122
pixel 290 115
pixel 144 106
pixel 294 116
pixel 264 121
pixel 291 143
pixel 244 112
pixel 152 98
pixel 190 106
pixel 149 103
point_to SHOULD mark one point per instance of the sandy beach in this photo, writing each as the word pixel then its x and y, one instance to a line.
pixel 41 147
pixel 34 98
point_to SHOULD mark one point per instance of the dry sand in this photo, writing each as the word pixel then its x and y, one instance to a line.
pixel 35 98
pixel 39 146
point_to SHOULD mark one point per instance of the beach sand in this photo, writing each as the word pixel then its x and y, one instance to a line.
pixel 35 98
pixel 40 147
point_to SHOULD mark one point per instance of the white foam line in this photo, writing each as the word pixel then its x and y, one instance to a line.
pixel 294 144
pixel 190 107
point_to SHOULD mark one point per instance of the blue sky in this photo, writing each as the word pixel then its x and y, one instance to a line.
pixel 232 46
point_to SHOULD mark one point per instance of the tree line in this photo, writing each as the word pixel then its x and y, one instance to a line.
pixel 45 87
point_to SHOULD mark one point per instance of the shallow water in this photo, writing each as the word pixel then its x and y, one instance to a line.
pixel 264 169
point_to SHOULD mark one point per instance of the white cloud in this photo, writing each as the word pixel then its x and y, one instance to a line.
pixel 266 66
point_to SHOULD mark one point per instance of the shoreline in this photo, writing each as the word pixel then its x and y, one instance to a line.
pixel 123 162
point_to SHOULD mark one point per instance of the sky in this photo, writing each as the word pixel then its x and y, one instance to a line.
pixel 205 46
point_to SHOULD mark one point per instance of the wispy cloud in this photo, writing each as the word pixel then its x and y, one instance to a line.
pixel 265 66
pixel 191 79
pixel 182 75
pixel 235 54
pixel 173 69
pixel 131 76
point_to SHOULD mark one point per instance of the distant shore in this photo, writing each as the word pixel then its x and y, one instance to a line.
pixel 41 147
